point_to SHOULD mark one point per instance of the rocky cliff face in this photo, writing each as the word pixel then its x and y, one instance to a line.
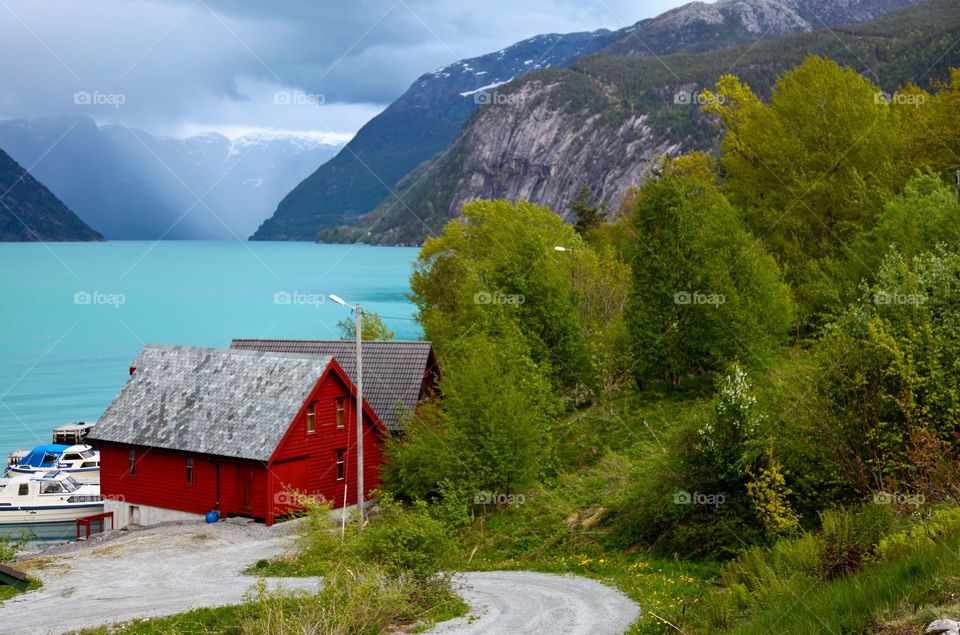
pixel 529 149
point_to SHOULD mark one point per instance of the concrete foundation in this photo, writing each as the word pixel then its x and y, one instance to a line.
pixel 143 515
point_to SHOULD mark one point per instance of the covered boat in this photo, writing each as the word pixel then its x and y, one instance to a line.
pixel 80 461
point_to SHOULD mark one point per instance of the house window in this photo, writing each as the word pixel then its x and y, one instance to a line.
pixel 189 471
pixel 311 418
pixel 133 462
pixel 341 412
pixel 341 464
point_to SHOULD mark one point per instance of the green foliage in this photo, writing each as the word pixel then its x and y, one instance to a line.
pixel 768 490
pixel 724 438
pixel 489 430
pixel 496 271
pixel 406 541
pixel 777 575
pixel 704 290
pixel 930 130
pixel 9 546
pixel 353 600
pixel 588 217
pixel 925 215
pixel 890 370
pixel 810 169
pixel 373 328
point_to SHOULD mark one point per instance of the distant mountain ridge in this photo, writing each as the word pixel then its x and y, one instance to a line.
pixel 136 186
pixel 29 212
pixel 699 27
pixel 426 119
pixel 419 124
pixel 603 122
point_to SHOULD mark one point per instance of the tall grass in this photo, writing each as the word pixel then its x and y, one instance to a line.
pixel 839 580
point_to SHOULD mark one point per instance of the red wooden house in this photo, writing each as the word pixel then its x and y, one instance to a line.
pixel 241 432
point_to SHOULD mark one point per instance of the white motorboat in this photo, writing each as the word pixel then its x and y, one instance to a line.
pixel 46 505
pixel 80 461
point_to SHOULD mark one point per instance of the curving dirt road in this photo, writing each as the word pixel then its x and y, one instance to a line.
pixel 174 568
pixel 146 573
pixel 512 602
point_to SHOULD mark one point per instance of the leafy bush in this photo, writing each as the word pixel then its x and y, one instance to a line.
pixel 890 371
pixel 406 541
pixel 489 430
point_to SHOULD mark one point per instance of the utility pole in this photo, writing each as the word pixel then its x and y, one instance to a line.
pixel 358 381
pixel 359 311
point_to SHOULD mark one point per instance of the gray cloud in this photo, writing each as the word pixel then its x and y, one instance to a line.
pixel 167 65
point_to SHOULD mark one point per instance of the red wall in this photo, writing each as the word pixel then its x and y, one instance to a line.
pixel 160 480
pixel 302 463
pixel 306 462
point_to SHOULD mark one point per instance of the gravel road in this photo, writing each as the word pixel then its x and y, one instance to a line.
pixel 512 602
pixel 175 568
pixel 156 571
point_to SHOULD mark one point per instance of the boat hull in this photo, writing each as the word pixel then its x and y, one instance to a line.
pixel 57 523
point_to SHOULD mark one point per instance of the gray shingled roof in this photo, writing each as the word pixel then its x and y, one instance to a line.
pixel 393 371
pixel 225 402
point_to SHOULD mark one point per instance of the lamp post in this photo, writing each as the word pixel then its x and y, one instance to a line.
pixel 358 311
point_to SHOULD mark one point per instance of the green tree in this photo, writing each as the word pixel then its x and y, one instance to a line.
pixel 589 217
pixel 925 215
pixel 488 432
pixel 374 328
pixel 496 271
pixel 929 128
pixel 704 290
pixel 810 169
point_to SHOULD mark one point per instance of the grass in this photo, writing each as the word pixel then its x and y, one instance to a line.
pixel 357 601
pixel 559 527
pixel 865 602
pixel 7 592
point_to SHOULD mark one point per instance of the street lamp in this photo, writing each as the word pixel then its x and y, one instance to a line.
pixel 358 311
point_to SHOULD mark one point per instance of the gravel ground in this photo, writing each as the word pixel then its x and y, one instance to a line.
pixel 176 567
pixel 512 602
pixel 145 573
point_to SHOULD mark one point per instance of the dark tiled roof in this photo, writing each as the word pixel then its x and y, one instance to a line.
pixel 393 372
pixel 215 401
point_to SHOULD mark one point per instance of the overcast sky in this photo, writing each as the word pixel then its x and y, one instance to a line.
pixel 182 66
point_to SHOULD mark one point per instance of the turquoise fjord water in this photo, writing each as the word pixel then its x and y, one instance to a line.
pixel 74 315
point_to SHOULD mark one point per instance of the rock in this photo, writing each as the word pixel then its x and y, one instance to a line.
pixel 946 627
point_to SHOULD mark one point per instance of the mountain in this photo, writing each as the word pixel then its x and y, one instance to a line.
pixel 600 123
pixel 421 123
pixel 699 27
pixel 135 186
pixel 426 119
pixel 29 212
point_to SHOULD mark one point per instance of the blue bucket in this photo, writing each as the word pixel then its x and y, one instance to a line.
pixel 213 516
